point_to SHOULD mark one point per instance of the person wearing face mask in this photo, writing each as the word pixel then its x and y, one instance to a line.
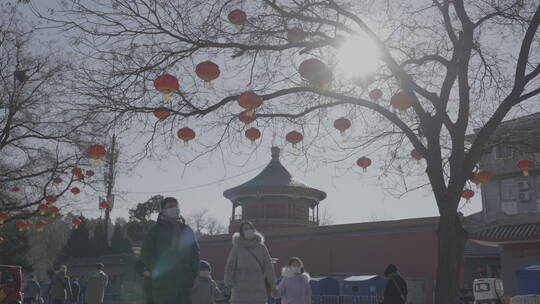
pixel 294 287
pixel 170 255
pixel 60 289
pixel 249 273
pixel 205 289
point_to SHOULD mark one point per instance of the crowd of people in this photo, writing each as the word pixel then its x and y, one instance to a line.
pixel 174 274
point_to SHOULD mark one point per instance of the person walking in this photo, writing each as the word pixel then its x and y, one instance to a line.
pixel 75 291
pixel 205 289
pixel 171 256
pixel 32 291
pixel 395 291
pixel 60 289
pixel 294 287
pixel 249 272
pixel 95 283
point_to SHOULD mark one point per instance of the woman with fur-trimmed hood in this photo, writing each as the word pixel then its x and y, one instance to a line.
pixel 249 273
pixel 294 287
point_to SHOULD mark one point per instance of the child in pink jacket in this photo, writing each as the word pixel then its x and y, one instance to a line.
pixel 294 287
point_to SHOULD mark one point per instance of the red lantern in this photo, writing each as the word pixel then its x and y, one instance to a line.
pixel 296 35
pixel 316 72
pixel 166 84
pixel 238 18
pixel 363 162
pixel 294 137
pixel 57 180
pixel 76 222
pixel 375 94
pixel 162 113
pixel 15 189
pixel 50 199
pixel 90 173
pixel 342 124
pixel 186 134
pixel 253 134
pixel 76 171
pixel 104 205
pixel 207 71
pixel 40 225
pixel 96 152
pixel 401 101
pixel 75 190
pixel 54 211
pixel 246 118
pixel 43 209
pixel 467 194
pixel 21 225
pixel 416 155
pixel 249 101
pixel 484 176
pixel 3 217
pixel 525 165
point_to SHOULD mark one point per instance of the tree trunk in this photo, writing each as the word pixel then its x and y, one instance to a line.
pixel 451 243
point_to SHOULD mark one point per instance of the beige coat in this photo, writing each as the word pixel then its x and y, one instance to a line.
pixel 95 283
pixel 243 273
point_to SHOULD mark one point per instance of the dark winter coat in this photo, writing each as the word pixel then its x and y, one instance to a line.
pixel 75 291
pixel 392 290
pixel 32 290
pixel 147 282
pixel 243 273
pixel 205 291
pixel 60 288
pixel 171 253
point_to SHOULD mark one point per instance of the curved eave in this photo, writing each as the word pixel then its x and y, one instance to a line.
pixel 236 193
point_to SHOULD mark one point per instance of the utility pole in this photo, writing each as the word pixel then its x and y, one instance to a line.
pixel 109 181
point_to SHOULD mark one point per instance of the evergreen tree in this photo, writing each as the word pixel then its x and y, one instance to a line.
pixel 99 241
pixel 119 243
pixel 15 247
pixel 78 244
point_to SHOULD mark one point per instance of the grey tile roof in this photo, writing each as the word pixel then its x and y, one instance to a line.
pixel 509 232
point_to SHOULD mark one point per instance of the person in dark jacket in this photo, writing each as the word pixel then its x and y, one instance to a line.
pixel 75 291
pixel 32 291
pixel 147 281
pixel 205 289
pixel 395 291
pixel 171 256
pixel 60 289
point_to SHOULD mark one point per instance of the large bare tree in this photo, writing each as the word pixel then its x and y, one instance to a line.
pixel 465 65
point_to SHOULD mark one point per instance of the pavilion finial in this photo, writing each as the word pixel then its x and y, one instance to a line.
pixel 275 153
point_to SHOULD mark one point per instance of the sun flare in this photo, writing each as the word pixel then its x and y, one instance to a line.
pixel 358 56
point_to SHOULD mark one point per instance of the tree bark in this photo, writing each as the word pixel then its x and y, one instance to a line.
pixel 451 243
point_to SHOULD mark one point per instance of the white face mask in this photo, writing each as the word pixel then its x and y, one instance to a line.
pixel 173 212
pixel 296 269
pixel 249 234
pixel 205 273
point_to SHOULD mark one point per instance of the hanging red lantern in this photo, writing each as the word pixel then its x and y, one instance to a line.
pixel 363 162
pixel 186 134
pixel 42 208
pixel 246 118
pixel 237 17
pixel 15 189
pixel 467 194
pixel 57 180
pixel 416 155
pixel 296 34
pixel 50 199
pixel 253 134
pixel 90 173
pixel 162 113
pixel 21 225
pixel 167 85
pixel 76 171
pixel 54 211
pixel 525 165
pixel 76 222
pixel 207 71
pixel 104 205
pixel 484 176
pixel 75 190
pixel 342 124
pixel 375 94
pixel 401 101
pixel 96 152
pixel 3 217
pixel 249 101
pixel 316 72
pixel 294 138
pixel 40 225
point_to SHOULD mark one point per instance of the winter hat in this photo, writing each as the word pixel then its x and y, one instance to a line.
pixel 204 265
pixel 390 269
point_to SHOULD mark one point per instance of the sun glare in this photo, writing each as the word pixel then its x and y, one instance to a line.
pixel 358 56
